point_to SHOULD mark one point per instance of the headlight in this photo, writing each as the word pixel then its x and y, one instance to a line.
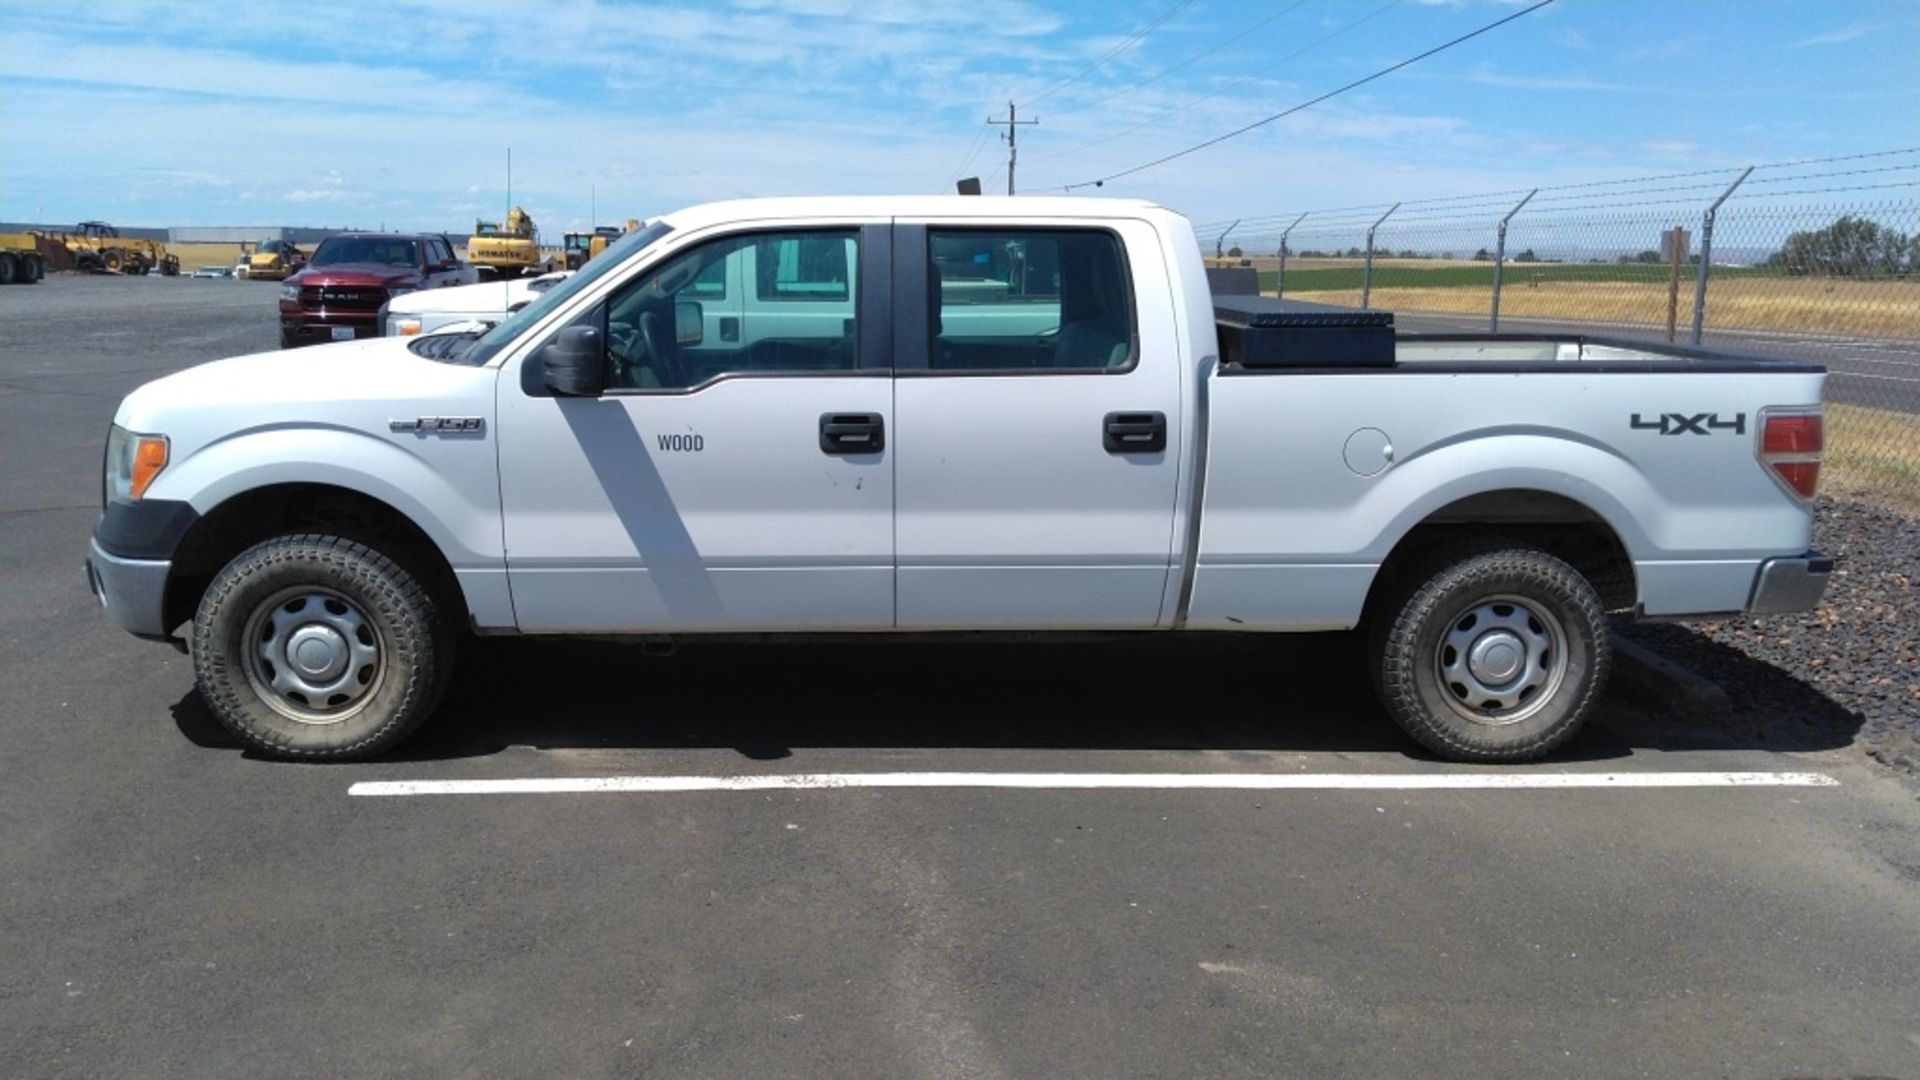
pixel 133 460
pixel 289 292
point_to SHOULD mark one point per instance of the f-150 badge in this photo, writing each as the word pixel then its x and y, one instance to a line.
pixel 1705 423
pixel 441 425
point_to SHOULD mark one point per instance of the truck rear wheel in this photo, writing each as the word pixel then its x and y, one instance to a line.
pixel 319 648
pixel 9 269
pixel 1495 653
pixel 111 260
pixel 33 269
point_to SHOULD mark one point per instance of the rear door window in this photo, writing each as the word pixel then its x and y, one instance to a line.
pixel 1028 300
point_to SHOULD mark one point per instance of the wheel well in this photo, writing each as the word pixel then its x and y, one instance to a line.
pixel 1554 523
pixel 263 513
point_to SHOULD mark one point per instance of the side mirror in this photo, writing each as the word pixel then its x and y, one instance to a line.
pixel 576 362
pixel 689 323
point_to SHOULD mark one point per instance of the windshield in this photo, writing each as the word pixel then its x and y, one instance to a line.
pixel 516 324
pixel 340 250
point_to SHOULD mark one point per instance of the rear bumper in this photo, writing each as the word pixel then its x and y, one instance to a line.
pixel 1783 586
pixel 133 591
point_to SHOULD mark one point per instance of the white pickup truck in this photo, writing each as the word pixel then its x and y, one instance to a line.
pixel 929 415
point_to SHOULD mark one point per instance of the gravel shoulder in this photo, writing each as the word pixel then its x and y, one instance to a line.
pixel 1853 663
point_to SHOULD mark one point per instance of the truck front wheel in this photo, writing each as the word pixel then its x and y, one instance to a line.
pixel 1494 654
pixel 317 647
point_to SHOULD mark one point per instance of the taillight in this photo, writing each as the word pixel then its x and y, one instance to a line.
pixel 1791 441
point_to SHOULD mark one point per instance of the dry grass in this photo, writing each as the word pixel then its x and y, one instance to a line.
pixel 194 256
pixel 1874 453
pixel 1876 308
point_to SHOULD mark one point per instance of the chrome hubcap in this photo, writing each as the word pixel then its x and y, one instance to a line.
pixel 1501 660
pixel 313 655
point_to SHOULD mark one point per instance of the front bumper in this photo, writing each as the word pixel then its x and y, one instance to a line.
pixel 316 327
pixel 133 591
pixel 1783 586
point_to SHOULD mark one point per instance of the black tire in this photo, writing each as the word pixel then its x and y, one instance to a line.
pixel 284 593
pixel 9 269
pixel 35 271
pixel 1493 653
pixel 112 260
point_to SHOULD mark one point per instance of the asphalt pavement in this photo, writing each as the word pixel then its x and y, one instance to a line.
pixel 174 907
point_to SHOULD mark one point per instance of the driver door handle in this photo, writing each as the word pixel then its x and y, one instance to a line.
pixel 852 433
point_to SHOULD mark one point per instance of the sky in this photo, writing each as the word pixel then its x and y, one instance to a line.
pixel 401 113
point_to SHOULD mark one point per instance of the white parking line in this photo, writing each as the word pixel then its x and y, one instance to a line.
pixel 1085 781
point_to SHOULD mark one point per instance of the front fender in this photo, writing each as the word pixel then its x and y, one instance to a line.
pixel 453 498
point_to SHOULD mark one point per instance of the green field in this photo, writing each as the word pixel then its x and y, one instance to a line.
pixel 1399 274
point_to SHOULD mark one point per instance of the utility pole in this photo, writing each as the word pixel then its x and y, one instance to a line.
pixel 1014 124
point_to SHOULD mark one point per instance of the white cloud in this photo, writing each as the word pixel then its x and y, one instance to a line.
pixel 1578 83
pixel 1837 37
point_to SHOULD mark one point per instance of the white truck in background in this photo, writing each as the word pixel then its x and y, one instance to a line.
pixel 479 306
pixel 923 415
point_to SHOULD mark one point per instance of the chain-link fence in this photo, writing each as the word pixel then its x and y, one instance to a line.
pixel 1805 260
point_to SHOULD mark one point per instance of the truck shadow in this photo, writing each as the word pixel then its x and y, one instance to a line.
pixel 1295 693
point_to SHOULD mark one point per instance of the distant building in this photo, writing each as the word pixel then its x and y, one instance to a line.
pixel 226 234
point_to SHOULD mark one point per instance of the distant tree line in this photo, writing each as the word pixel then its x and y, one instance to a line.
pixel 1853 247
pixel 1850 247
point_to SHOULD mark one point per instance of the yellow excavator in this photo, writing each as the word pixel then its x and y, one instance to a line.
pixel 505 252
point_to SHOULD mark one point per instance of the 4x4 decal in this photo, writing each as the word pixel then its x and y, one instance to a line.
pixel 1674 423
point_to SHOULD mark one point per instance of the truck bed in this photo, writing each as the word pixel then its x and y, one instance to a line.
pixel 1261 335
pixel 1308 478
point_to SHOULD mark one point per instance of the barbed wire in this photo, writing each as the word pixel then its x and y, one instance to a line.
pixel 1561 217
pixel 1330 215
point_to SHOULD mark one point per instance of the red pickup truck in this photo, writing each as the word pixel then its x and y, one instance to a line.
pixel 340 294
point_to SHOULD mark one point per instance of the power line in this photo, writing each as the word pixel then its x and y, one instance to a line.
pixel 1249 76
pixel 972 149
pixel 1383 72
pixel 1126 43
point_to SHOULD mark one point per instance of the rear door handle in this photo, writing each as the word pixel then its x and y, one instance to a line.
pixel 1135 432
pixel 852 433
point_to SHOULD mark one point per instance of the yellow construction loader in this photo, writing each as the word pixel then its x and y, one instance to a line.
pixel 276 260
pixel 580 247
pixel 97 247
